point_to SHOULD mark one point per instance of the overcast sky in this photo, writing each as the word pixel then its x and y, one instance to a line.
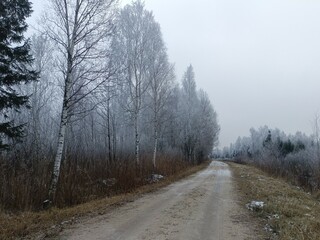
pixel 259 61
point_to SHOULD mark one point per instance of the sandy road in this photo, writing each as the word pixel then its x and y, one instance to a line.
pixel 202 207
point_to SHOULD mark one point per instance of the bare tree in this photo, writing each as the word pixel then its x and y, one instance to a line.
pixel 81 30
pixel 105 111
pixel 189 106
pixel 316 134
pixel 38 122
pixel 207 127
pixel 132 44
pixel 161 86
pixel 42 91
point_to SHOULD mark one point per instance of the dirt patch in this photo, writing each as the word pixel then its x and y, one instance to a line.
pixel 289 212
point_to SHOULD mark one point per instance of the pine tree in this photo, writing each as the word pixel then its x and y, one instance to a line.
pixel 15 65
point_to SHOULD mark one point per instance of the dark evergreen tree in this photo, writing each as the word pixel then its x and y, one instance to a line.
pixel 15 65
pixel 268 139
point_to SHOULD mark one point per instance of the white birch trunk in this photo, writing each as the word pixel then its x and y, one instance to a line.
pixel 155 149
pixel 155 127
pixel 62 133
pixel 58 158
pixel 78 26
pixel 137 141
pixel 64 119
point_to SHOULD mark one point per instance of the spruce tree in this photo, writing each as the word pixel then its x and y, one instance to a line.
pixel 15 65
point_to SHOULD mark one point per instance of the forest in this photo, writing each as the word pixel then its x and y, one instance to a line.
pixel 91 105
pixel 294 157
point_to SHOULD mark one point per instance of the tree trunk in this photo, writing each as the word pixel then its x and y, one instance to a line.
pixel 137 141
pixel 114 140
pixel 109 134
pixel 63 126
pixel 155 149
pixel 58 158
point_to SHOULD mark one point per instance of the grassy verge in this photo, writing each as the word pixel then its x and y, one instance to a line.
pixel 289 212
pixel 28 225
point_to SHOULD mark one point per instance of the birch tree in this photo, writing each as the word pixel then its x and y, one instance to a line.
pixel 132 44
pixel 81 30
pixel 161 86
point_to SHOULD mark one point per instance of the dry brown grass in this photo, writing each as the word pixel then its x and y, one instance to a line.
pixel 298 210
pixel 28 225
pixel 24 187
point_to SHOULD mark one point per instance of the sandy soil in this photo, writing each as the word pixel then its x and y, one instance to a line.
pixel 203 206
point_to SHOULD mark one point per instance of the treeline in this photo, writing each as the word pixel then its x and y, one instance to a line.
pixel 105 112
pixel 294 157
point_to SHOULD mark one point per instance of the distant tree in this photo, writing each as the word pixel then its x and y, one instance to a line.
pixel 161 76
pixel 268 139
pixel 15 62
pixel 316 135
pixel 285 147
pixel 42 92
pixel 40 121
pixel 137 46
pixel 189 106
pixel 207 127
pixel 199 128
pixel 291 156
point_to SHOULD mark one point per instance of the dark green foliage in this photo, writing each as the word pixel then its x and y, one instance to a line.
pixel 299 146
pixel 15 63
pixel 268 139
pixel 285 147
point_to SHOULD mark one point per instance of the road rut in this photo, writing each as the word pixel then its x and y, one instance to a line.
pixel 203 206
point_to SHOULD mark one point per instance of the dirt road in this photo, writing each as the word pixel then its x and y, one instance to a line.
pixel 201 207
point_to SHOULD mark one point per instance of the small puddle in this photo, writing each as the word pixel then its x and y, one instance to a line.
pixel 224 172
pixel 220 169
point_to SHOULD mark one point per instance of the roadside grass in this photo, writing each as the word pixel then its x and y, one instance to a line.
pixel 38 225
pixel 289 212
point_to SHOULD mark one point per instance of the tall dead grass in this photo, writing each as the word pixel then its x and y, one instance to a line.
pixel 47 224
pixel 24 185
pixel 289 212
